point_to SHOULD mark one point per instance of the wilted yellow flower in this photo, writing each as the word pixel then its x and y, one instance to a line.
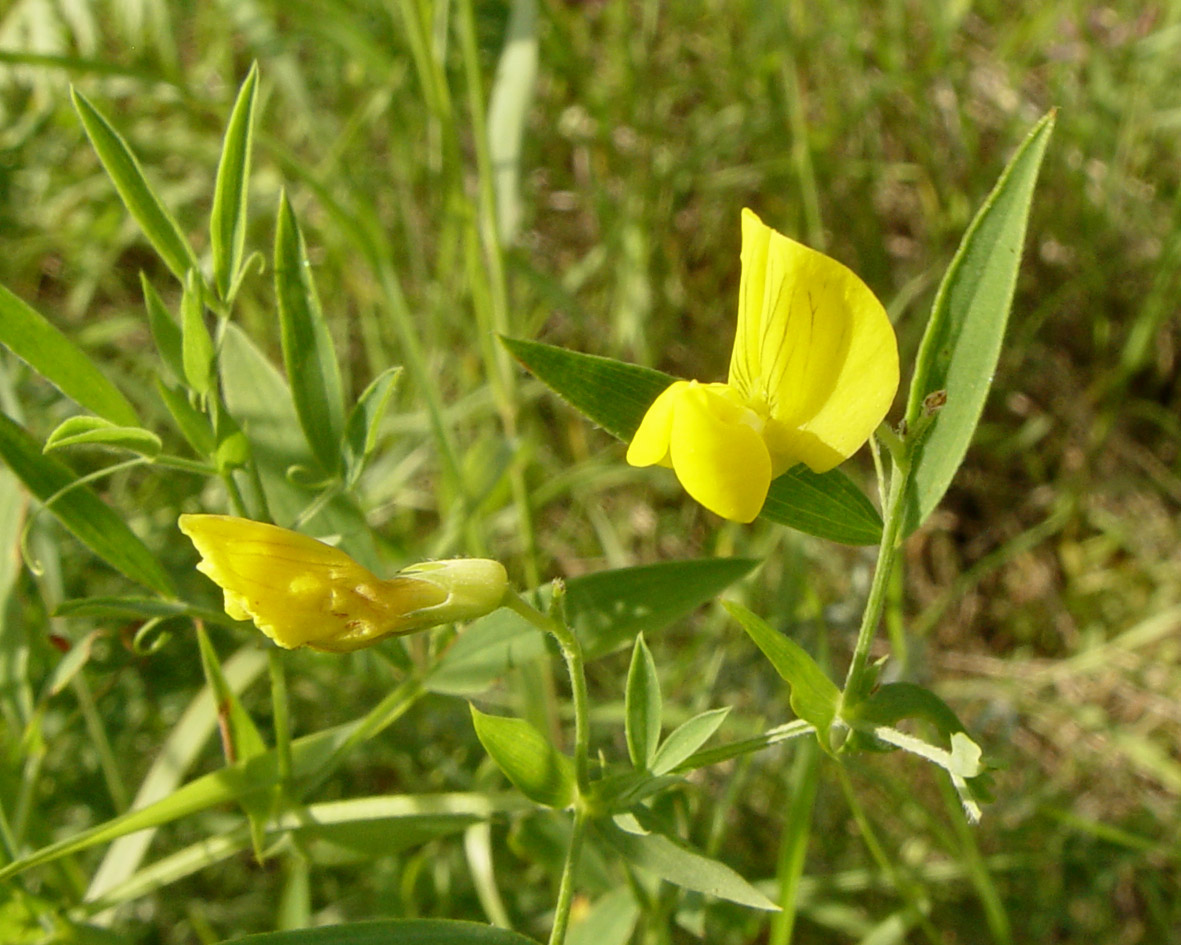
pixel 813 372
pixel 302 592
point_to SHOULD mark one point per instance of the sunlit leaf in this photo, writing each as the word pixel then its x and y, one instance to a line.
pixel 95 431
pixel 677 863
pixel 364 423
pixel 686 738
pixel 642 706
pixel 527 759
pixel 616 396
pixel 814 697
pixel 962 343
pixel 139 198
pixel 227 224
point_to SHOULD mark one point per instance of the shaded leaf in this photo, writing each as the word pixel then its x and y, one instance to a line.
pixel 31 337
pixel 390 931
pixel 139 608
pixel 962 342
pixel 308 353
pixel 193 425
pixel 165 330
pixel 196 345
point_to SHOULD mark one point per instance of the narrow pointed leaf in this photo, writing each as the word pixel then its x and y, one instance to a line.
pixel 165 330
pixel 193 425
pixel 962 342
pixel 814 697
pixel 508 113
pixel 607 609
pixel 361 429
pixel 679 864
pixel 686 738
pixel 390 931
pixel 308 353
pixel 827 505
pixel 95 431
pixel 91 520
pixel 128 177
pixel 227 225
pixel 616 396
pixel 33 339
pixel 196 344
pixel 642 706
pixel 527 759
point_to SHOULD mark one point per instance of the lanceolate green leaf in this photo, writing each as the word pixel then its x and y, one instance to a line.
pixel 91 520
pixel 686 738
pixel 128 177
pixel 827 504
pixel 610 393
pixel 814 697
pixel 962 342
pixel 227 224
pixel 606 609
pixel 616 395
pixel 95 431
pixel 643 706
pixel 682 866
pixel 389 932
pixel 165 330
pixel 360 432
pixel 28 335
pixel 532 764
pixel 308 352
pixel 196 344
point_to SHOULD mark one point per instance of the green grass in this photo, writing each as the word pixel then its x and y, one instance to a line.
pixel 1040 601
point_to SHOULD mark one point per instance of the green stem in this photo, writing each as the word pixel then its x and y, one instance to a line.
pixel 572 654
pixel 857 682
pixel 557 934
pixel 281 717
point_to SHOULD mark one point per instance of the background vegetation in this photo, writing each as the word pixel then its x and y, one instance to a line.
pixel 1043 601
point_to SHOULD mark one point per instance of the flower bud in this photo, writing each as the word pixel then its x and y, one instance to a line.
pixel 302 592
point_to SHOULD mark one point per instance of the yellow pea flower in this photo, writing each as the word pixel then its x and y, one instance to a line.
pixel 302 592
pixel 813 372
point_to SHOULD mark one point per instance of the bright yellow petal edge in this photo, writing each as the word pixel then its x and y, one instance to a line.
pixel 302 592
pixel 813 371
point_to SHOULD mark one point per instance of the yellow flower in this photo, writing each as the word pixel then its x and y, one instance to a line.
pixel 300 591
pixel 813 372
